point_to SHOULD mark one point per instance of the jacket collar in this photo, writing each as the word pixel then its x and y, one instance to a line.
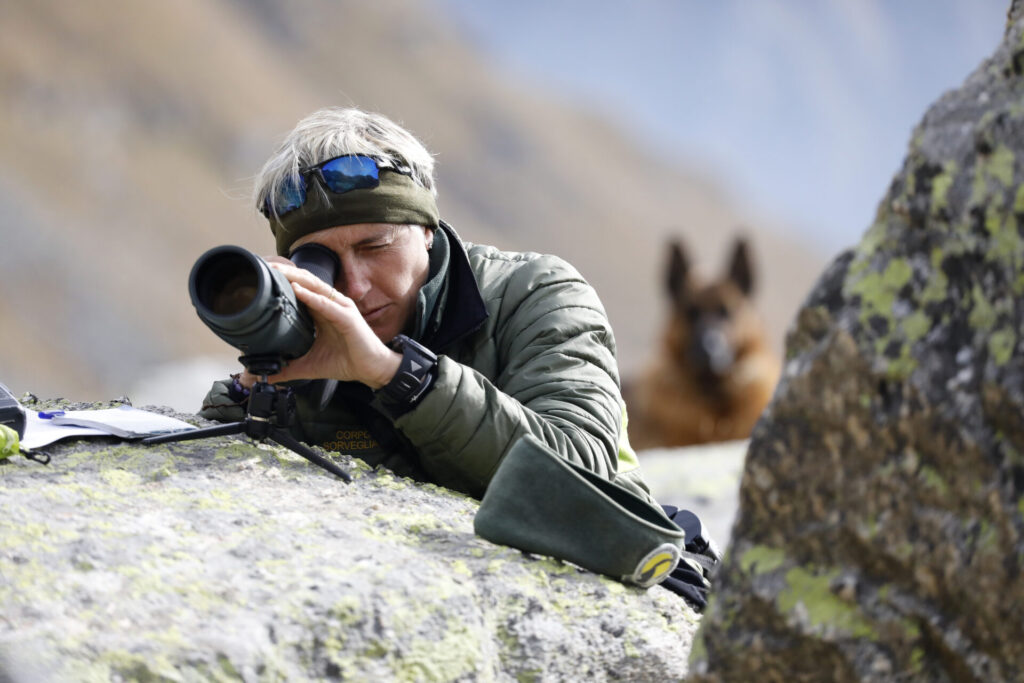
pixel 462 310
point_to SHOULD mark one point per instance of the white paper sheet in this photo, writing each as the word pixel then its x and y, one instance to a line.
pixel 124 422
pixel 40 432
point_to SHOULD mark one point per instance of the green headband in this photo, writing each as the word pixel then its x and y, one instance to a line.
pixel 397 199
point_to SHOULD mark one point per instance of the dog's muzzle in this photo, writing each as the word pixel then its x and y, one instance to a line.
pixel 713 352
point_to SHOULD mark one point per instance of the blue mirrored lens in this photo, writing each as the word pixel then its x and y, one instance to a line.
pixel 290 196
pixel 352 172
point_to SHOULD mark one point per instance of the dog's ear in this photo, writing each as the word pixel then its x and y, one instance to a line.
pixel 741 270
pixel 678 271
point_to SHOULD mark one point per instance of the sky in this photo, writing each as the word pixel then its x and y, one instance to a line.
pixel 801 110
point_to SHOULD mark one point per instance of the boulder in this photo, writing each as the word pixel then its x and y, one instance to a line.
pixel 879 535
pixel 227 559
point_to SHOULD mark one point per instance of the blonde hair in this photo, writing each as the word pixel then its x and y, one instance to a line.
pixel 335 131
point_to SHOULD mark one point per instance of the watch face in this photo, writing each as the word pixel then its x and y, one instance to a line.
pixel 413 376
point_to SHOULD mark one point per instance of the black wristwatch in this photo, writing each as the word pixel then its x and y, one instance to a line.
pixel 414 377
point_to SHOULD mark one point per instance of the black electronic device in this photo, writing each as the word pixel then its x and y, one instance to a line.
pixel 414 376
pixel 11 413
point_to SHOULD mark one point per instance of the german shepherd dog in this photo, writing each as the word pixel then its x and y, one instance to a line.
pixel 714 372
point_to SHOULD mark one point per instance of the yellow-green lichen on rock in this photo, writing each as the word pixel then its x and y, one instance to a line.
pixel 821 608
pixel 224 559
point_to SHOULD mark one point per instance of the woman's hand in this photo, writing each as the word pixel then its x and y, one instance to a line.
pixel 345 347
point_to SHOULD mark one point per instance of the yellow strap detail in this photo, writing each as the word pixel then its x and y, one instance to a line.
pixel 627 456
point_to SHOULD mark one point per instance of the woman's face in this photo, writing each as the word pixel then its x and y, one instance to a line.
pixel 383 267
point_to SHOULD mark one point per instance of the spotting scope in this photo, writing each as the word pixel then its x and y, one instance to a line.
pixel 251 306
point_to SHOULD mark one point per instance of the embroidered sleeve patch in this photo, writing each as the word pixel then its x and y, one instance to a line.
pixel 655 566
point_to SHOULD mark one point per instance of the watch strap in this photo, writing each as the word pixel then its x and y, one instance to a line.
pixel 414 378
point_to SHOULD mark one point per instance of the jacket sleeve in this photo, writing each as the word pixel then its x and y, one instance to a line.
pixel 556 378
pixel 221 404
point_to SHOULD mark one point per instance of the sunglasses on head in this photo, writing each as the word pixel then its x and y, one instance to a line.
pixel 339 175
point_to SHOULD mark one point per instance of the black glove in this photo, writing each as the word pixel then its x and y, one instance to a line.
pixel 688 580
pixel 692 577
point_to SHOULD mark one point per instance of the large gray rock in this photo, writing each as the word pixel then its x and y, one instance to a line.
pixel 223 559
pixel 880 534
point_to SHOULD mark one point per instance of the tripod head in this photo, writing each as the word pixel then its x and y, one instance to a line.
pixel 262 365
pixel 270 415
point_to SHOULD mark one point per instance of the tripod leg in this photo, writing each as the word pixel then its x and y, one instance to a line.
pixel 217 430
pixel 282 437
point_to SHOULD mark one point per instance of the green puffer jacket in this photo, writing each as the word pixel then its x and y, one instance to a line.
pixel 524 346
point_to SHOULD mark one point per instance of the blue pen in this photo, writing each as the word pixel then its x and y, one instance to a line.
pixel 48 415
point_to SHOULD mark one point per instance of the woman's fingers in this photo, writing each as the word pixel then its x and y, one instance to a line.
pixel 332 305
pixel 346 348
pixel 306 279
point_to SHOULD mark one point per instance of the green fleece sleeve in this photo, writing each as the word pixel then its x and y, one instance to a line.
pixel 556 378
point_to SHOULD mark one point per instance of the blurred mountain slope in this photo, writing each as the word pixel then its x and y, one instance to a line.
pixel 130 131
